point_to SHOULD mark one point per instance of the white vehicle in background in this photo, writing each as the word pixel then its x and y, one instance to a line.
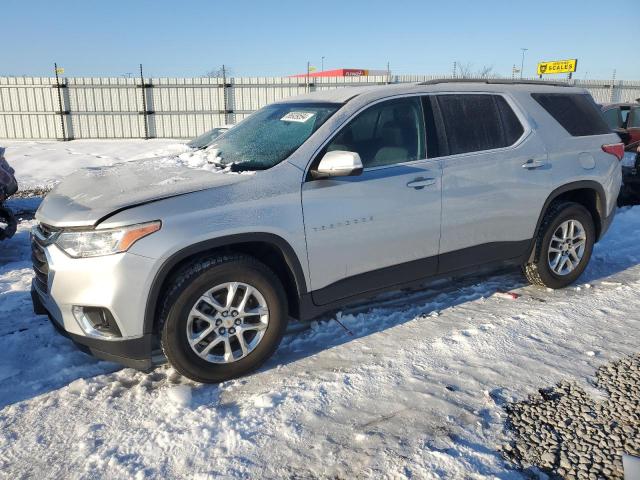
pixel 185 151
pixel 207 138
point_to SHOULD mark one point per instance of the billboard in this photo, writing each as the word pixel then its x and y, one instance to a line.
pixel 557 66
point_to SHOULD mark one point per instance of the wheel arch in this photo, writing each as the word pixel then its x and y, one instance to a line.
pixel 588 193
pixel 271 249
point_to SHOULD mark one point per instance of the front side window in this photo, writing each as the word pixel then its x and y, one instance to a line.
pixel 387 133
pixel 468 123
pixel 270 135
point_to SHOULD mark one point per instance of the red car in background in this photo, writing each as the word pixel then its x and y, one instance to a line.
pixel 624 119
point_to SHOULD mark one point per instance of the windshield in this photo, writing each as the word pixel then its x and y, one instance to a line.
pixel 271 134
pixel 206 138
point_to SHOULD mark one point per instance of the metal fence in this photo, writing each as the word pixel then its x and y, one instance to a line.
pixel 39 108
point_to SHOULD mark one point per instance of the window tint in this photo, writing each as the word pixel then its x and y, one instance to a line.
pixel 511 126
pixel 387 133
pixel 613 117
pixel 634 118
pixel 436 146
pixel 624 111
pixel 475 122
pixel 576 112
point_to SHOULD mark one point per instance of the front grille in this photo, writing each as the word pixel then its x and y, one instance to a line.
pixel 39 258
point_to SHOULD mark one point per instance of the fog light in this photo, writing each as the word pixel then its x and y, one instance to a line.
pixel 96 322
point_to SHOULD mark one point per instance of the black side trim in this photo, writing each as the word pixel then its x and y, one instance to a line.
pixel 478 260
pixel 293 263
pixel 494 255
pixel 482 254
pixel 606 222
pixel 371 281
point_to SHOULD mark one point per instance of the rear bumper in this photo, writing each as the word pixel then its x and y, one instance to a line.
pixel 606 223
pixel 133 352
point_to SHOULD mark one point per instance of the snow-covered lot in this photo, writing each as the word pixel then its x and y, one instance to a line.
pixel 415 388
pixel 40 164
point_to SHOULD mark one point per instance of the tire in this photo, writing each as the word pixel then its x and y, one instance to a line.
pixel 539 271
pixel 185 295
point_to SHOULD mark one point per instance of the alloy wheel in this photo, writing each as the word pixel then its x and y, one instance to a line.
pixel 227 322
pixel 567 247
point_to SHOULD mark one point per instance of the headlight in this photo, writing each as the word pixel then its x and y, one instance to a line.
pixel 94 243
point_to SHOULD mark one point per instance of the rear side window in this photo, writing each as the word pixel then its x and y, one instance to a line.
pixel 467 123
pixel 576 112
pixel 613 117
pixel 512 127
pixel 633 121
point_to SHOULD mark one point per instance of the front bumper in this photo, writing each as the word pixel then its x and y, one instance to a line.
pixel 134 353
pixel 118 283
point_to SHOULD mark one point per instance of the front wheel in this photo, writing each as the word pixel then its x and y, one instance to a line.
pixel 563 246
pixel 223 317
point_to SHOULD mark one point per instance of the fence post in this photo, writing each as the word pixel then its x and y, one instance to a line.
pixel 144 105
pixel 225 96
pixel 61 111
pixel 611 90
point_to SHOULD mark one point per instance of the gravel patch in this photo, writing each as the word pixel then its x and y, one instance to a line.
pixel 32 192
pixel 566 433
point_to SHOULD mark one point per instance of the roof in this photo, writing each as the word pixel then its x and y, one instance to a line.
pixel 343 95
pixel 620 104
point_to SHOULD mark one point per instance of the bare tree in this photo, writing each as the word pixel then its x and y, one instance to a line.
pixel 465 70
pixel 485 72
pixel 219 72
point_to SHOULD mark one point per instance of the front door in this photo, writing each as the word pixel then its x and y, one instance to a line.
pixel 380 228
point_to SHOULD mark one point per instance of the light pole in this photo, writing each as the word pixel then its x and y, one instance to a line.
pixel 522 63
pixel 322 65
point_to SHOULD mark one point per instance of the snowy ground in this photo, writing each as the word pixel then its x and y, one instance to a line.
pixel 416 390
pixel 42 163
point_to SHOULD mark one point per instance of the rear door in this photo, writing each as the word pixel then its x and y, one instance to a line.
pixel 495 168
pixel 380 228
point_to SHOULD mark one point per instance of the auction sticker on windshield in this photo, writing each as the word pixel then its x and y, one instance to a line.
pixel 300 117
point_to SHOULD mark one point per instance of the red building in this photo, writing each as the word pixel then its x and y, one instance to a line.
pixel 343 72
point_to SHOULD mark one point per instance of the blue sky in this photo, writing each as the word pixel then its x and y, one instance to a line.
pixel 259 38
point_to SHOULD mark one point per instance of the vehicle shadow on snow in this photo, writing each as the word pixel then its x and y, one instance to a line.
pixel 396 308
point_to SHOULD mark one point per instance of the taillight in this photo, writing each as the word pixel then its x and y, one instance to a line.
pixel 616 149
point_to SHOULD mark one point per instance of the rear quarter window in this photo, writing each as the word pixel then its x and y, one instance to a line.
pixel 576 112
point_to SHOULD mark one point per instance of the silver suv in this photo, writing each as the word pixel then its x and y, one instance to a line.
pixel 323 199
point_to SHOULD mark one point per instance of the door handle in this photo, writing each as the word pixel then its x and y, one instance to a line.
pixel 420 183
pixel 532 164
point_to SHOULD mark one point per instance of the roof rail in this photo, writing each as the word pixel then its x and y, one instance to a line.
pixel 499 81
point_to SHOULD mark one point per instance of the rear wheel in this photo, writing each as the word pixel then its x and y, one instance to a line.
pixel 222 318
pixel 563 246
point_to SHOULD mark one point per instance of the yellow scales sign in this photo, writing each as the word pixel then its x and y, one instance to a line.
pixel 557 66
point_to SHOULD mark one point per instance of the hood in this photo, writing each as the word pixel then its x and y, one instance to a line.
pixel 91 194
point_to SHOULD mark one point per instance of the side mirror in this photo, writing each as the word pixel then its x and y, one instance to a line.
pixel 338 163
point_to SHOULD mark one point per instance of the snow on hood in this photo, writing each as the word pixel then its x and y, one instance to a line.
pixel 90 194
